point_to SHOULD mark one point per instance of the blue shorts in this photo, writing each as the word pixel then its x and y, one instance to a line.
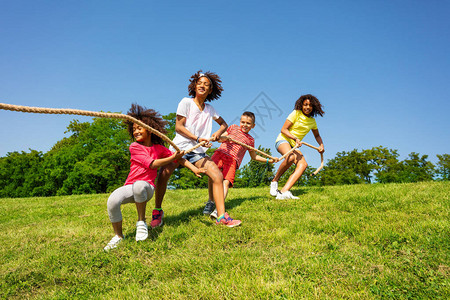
pixel 193 157
pixel 277 144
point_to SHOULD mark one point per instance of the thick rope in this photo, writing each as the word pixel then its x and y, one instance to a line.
pixel 304 143
pixel 289 152
pixel 251 148
pixel 285 155
pixel 68 111
pixel 195 147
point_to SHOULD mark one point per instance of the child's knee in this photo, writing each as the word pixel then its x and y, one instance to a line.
pixel 142 191
pixel 166 171
pixel 290 159
pixel 112 204
pixel 216 176
pixel 302 164
pixel 214 173
pixel 298 158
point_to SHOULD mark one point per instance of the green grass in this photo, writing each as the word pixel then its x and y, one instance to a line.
pixel 360 241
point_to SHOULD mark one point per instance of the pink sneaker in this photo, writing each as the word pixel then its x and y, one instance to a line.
pixel 227 221
pixel 157 216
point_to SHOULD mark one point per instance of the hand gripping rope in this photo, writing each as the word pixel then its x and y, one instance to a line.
pixel 68 111
pixel 285 155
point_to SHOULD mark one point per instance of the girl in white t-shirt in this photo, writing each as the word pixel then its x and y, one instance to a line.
pixel 194 125
pixel 294 129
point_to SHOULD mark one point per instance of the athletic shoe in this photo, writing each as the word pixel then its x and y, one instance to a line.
pixel 286 195
pixel 209 207
pixel 113 243
pixel 141 231
pixel 213 215
pixel 157 216
pixel 274 188
pixel 227 221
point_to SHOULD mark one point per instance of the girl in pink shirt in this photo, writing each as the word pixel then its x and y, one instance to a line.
pixel 147 155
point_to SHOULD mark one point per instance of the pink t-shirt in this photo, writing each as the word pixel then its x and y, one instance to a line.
pixel 141 158
pixel 236 151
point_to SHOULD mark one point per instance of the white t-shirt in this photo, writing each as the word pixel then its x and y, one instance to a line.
pixel 198 123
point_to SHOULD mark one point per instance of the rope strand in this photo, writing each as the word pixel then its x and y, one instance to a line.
pixel 68 111
pixel 304 143
pixel 251 148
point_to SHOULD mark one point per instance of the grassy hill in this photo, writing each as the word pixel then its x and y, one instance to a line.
pixel 360 241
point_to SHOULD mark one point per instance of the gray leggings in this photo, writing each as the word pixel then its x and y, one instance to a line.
pixel 140 191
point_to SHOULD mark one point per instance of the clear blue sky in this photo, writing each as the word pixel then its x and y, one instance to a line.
pixel 380 68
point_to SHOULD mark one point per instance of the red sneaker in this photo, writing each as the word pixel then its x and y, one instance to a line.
pixel 157 216
pixel 227 221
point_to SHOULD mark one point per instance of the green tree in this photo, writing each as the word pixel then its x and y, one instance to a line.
pixel 183 178
pixel 171 119
pixel 20 173
pixel 378 164
pixel 347 168
pixel 101 157
pixel 443 167
pixel 255 173
pixel 93 159
pixel 412 169
pixel 417 168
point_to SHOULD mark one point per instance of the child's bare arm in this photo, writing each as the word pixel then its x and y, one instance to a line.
pixel 223 127
pixel 223 137
pixel 194 169
pixel 319 140
pixel 259 158
pixel 181 128
pixel 285 130
pixel 164 161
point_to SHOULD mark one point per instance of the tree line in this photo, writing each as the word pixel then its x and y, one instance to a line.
pixel 95 159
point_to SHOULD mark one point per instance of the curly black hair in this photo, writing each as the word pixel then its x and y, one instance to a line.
pixel 315 103
pixel 150 117
pixel 216 85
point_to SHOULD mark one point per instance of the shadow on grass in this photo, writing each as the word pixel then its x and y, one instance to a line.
pixel 298 192
pixel 185 216
pixel 232 203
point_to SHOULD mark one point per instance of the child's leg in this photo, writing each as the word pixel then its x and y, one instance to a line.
pixel 120 196
pixel 286 163
pixel 210 190
pixel 210 206
pixel 117 227
pixel 226 186
pixel 142 192
pixel 161 182
pixel 300 167
pixel 216 178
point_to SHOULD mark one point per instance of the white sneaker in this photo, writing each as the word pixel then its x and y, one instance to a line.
pixel 141 231
pixel 292 196
pixel 213 215
pixel 274 188
pixel 113 243
pixel 286 195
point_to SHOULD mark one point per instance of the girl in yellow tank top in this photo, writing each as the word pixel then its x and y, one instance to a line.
pixel 294 129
